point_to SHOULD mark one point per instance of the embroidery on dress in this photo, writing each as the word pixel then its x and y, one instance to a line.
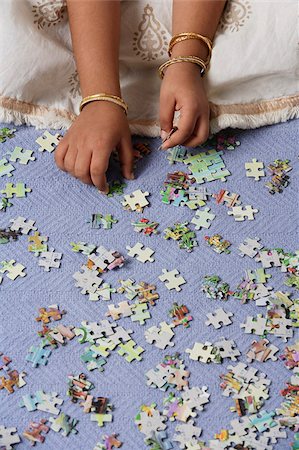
pixel 235 14
pixel 73 81
pixel 48 13
pixel 150 41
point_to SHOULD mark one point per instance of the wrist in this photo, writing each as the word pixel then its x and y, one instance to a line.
pixel 192 47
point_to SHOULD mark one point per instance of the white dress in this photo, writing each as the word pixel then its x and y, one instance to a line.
pixel 252 81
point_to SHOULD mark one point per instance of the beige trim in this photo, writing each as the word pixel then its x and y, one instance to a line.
pixel 22 109
pixel 31 109
pixel 261 107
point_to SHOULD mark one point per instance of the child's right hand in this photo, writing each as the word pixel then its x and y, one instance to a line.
pixel 85 150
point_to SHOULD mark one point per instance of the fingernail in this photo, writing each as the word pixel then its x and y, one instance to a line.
pixel 132 176
pixel 164 135
pixel 105 191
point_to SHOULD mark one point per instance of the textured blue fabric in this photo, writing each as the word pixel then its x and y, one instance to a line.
pixel 61 205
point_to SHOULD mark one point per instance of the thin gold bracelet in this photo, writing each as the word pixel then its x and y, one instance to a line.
pixel 104 97
pixel 180 59
pixel 184 36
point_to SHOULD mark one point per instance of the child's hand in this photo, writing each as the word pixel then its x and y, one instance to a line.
pixel 85 149
pixel 182 89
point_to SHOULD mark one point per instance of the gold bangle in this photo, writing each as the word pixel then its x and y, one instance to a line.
pixel 184 36
pixel 179 59
pixel 104 97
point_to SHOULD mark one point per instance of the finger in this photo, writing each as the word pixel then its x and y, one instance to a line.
pixel 167 109
pixel 200 134
pixel 82 166
pixel 125 151
pixel 186 126
pixel 98 167
pixel 60 153
pixel 70 160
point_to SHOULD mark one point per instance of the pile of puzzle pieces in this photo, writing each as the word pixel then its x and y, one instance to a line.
pixel 255 427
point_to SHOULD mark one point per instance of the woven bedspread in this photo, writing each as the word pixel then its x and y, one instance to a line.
pixel 62 206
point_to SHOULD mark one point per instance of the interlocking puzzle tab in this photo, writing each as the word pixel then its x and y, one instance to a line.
pixel 228 199
pixel 136 201
pixel 48 142
pixel 110 441
pixel 98 221
pixel 218 244
pixel 141 253
pixel 104 259
pixel 214 288
pixel 241 213
pixel 160 336
pixel 279 177
pixel 150 420
pixel 130 351
pixel 219 318
pixel 4 204
pixel 6 133
pixel 19 190
pixel 21 156
pixel 37 243
pixel 145 226
pixel 255 169
pixel 116 188
pixel 180 315
pixel 181 233
pixel 23 225
pixel 34 433
pixel 6 168
pixel 203 219
pixel 250 247
pixel 207 166
pixel 8 437
pixel 13 269
pixel 64 423
pixel 172 279
pixel 49 259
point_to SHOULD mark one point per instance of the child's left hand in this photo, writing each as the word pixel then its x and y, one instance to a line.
pixel 182 90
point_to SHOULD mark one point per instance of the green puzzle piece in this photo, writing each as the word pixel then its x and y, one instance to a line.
pixel 19 190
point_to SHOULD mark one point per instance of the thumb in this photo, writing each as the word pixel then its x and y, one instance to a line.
pixel 167 110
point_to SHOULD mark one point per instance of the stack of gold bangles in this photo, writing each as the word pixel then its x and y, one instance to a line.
pixel 193 59
pixel 103 96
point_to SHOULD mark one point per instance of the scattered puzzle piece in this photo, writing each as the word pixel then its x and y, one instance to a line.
pixel 219 318
pixel 8 437
pixel 64 423
pixel 38 356
pixel 160 336
pixel 98 221
pixel 49 260
pixel 203 219
pixel 23 225
pixel 255 169
pixel 141 253
pixel 37 245
pixel 172 279
pixel 130 351
pixel 48 142
pixel 6 133
pixel 136 201
pixel 19 190
pixel 21 155
pixel 240 213
pixel 34 433
pixel 6 168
